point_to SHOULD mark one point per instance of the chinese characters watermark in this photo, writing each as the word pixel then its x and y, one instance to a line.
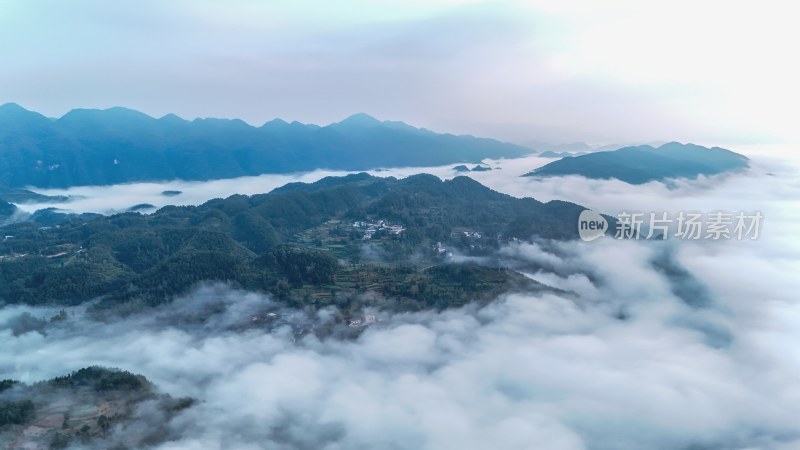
pixel 683 225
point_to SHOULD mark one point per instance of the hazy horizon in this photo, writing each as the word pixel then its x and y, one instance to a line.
pixel 512 70
pixel 514 134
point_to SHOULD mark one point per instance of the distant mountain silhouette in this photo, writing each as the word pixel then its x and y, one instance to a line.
pixel 16 195
pixel 551 154
pixel 637 165
pixel 478 168
pixel 116 145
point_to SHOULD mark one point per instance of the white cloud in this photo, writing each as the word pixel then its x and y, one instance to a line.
pixel 622 363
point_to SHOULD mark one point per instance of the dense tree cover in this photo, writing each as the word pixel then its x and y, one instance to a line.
pixel 301 266
pixel 7 384
pixel 19 407
pixel 17 412
pixel 294 236
pixel 101 379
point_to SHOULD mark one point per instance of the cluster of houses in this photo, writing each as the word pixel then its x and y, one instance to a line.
pixel 368 320
pixel 301 324
pixel 370 228
pixel 441 250
pixel 60 250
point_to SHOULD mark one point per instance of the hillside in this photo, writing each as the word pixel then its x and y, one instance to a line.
pixel 82 408
pixel 16 195
pixel 637 165
pixel 6 210
pixel 309 244
pixel 118 145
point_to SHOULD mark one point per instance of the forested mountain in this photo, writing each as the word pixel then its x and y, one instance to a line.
pixel 306 243
pixel 83 407
pixel 637 165
pixel 98 147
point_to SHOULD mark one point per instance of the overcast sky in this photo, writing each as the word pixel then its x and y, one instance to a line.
pixel 612 71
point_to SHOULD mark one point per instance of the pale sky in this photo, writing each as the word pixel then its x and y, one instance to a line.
pixel 711 72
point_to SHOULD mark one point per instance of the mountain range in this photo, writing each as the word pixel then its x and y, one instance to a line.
pixel 119 145
pixel 644 163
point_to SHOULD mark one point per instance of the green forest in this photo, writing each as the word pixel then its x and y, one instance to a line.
pixel 297 242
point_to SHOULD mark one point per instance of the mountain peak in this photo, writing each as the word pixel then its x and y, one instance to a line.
pixel 277 121
pixel 14 115
pixel 171 118
pixel 230 124
pixel 358 120
pixel 276 124
pixel 14 110
pixel 116 113
pixel 12 107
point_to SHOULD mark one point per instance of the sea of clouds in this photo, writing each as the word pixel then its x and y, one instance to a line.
pixel 658 345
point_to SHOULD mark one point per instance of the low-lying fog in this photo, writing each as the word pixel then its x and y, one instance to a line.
pixel 608 196
pixel 665 345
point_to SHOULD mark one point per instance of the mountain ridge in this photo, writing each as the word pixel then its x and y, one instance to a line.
pixel 119 145
pixel 645 163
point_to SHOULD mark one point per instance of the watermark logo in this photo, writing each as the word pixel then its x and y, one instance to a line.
pixel 714 226
pixel 591 225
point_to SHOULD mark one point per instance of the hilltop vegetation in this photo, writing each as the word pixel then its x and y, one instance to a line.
pixel 298 242
pixel 81 407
